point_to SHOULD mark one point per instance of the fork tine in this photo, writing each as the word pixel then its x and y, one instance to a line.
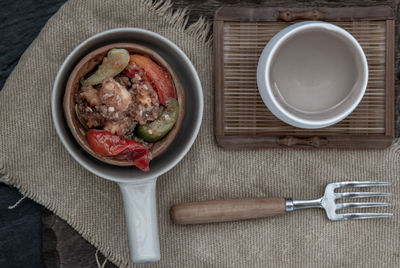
pixel 361 184
pixel 361 205
pixel 360 194
pixel 357 216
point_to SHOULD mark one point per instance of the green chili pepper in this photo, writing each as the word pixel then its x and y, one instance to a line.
pixel 114 63
pixel 156 130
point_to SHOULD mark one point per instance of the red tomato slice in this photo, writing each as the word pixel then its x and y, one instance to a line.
pixel 108 144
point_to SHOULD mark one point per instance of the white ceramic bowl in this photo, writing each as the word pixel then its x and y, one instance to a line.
pixel 312 74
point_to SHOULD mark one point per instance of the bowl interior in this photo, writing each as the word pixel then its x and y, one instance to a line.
pixel 86 65
pixel 191 85
pixel 317 74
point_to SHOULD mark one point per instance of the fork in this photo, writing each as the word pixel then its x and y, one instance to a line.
pixel 250 208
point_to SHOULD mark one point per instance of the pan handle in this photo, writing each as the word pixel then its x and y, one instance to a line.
pixel 141 220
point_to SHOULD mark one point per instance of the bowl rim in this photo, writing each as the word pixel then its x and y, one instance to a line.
pixel 265 63
pixel 142 176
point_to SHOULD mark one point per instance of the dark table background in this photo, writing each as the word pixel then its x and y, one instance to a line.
pixel 32 236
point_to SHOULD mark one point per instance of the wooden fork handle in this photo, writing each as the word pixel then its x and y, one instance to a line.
pixel 227 210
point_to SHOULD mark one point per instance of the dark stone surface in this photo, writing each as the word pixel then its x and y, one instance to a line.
pixel 21 21
pixel 64 247
pixel 20 230
pixel 20 236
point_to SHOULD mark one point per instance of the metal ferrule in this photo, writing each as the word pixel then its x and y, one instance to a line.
pixel 302 204
pixel 289 204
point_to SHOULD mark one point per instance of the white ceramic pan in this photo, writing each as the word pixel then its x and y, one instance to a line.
pixel 138 188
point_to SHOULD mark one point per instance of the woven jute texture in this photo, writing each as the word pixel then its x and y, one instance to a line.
pixel 34 160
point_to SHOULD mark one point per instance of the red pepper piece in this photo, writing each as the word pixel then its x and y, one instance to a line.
pixel 108 144
pixel 130 70
pixel 155 74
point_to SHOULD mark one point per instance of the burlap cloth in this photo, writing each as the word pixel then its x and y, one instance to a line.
pixel 34 160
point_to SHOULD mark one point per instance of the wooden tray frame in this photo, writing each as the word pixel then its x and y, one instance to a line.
pixel 253 14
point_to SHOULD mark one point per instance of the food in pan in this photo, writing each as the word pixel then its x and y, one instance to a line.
pixel 127 103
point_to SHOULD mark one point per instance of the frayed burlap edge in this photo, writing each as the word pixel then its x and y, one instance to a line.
pixel 179 18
